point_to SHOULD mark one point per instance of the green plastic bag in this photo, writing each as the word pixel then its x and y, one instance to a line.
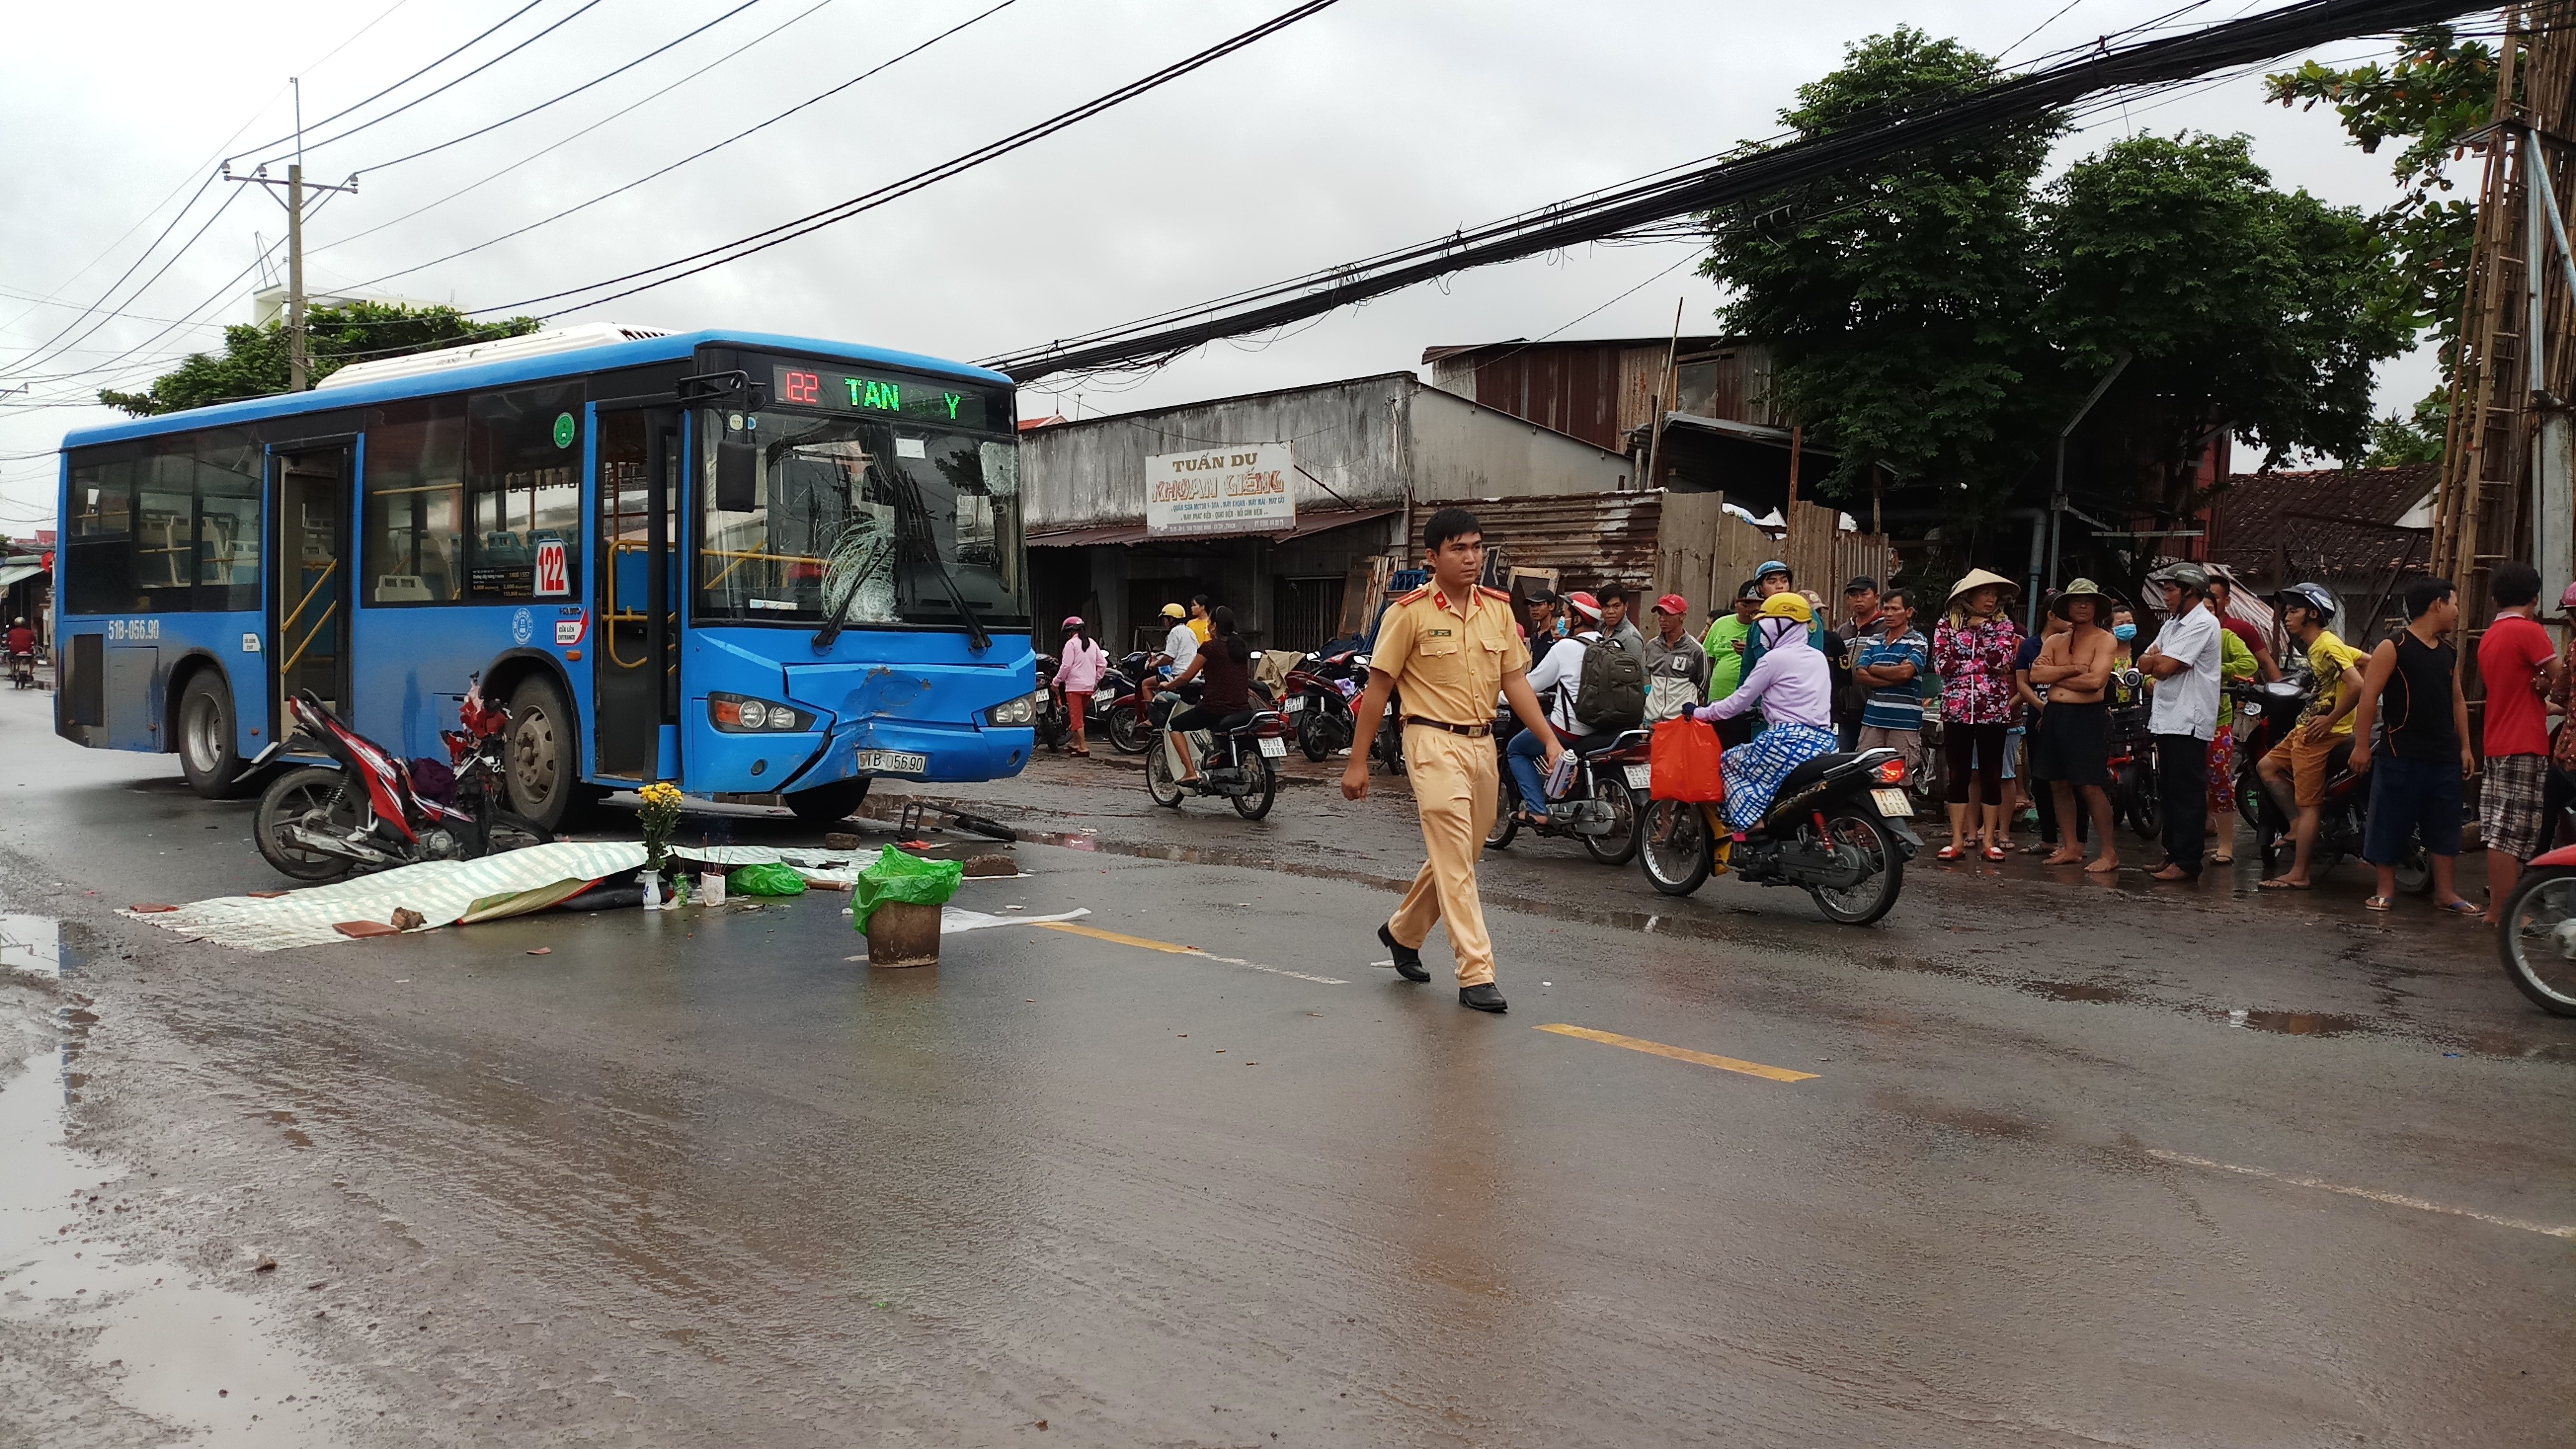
pixel 907 879
pixel 771 879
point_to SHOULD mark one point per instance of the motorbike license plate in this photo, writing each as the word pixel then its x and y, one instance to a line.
pixel 893 762
pixel 1274 747
pixel 1893 804
pixel 1293 703
pixel 1641 777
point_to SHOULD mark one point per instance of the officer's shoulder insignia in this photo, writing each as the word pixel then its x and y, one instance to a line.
pixel 1417 596
pixel 1493 593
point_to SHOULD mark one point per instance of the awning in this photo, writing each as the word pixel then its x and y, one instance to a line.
pixel 1323 521
pixel 12 573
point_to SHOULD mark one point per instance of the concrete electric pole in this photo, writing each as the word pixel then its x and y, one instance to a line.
pixel 298 361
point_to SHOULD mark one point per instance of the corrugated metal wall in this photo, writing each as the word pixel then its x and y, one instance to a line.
pixel 1592 540
pixel 1600 392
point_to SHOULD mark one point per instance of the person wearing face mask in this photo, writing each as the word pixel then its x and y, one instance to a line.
pixel 1794 687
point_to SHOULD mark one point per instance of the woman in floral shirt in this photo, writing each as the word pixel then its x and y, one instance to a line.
pixel 1973 651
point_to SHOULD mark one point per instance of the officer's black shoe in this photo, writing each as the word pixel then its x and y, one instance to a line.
pixel 1408 962
pixel 1483 998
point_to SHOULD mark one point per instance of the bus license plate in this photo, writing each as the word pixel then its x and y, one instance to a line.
pixel 1293 703
pixel 1893 804
pixel 1274 747
pixel 893 762
pixel 1641 777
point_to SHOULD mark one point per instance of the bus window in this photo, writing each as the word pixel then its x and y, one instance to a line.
pixel 228 521
pixel 415 497
pixel 522 482
pixel 99 563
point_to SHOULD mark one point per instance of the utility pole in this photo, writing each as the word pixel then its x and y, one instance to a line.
pixel 298 360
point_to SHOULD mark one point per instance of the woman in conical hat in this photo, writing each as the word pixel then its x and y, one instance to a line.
pixel 1973 653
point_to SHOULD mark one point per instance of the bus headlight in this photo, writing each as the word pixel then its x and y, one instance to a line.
pixel 741 714
pixel 1020 711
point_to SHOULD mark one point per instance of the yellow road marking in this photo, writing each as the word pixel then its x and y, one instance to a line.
pixel 1097 934
pixel 2393 1199
pixel 1680 1054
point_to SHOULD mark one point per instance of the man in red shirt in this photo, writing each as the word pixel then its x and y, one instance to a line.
pixel 2520 666
pixel 2222 592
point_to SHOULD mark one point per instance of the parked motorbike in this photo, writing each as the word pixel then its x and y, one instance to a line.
pixel 2537 942
pixel 1235 762
pixel 371 811
pixel 2133 758
pixel 1601 808
pixel 1120 704
pixel 2265 715
pixel 1054 723
pixel 1838 828
pixel 1316 695
pixel 22 671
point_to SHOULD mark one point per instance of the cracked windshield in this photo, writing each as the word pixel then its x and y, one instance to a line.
pixel 808 515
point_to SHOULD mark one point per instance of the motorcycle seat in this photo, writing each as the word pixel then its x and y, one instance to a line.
pixel 1810 771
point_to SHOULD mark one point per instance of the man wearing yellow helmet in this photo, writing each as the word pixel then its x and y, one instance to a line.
pixel 1794 687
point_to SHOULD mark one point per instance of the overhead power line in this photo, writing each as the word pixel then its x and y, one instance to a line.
pixel 671 271
pixel 1733 180
pixel 271 150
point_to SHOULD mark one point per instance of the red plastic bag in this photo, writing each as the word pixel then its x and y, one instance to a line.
pixel 1684 762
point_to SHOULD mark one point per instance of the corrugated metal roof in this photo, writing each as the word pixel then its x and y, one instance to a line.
pixel 1591 539
pixel 2343 522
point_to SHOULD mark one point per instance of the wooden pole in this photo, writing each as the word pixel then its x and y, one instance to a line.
pixel 1667 388
pixel 1789 511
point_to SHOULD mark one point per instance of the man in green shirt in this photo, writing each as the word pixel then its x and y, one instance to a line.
pixel 1724 642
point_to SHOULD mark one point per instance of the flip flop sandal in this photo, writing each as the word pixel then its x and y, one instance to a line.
pixel 1948 852
pixel 2377 903
pixel 2297 885
pixel 2460 908
pixel 1996 853
pixel 2222 860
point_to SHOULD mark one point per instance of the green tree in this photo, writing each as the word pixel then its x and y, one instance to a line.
pixel 1896 298
pixel 254 360
pixel 2244 309
pixel 2433 93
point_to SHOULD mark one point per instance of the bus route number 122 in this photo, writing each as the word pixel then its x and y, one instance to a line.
pixel 553 579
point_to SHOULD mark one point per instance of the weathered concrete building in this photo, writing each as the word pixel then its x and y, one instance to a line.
pixel 1368 452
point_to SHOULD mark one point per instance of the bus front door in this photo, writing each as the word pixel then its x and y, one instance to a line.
pixel 640 454
pixel 309 611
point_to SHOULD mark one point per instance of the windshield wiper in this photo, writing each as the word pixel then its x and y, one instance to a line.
pixel 912 524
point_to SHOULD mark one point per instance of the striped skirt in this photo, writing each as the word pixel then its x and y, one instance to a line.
pixel 1753 772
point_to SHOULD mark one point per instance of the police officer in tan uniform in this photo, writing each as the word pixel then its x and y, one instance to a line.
pixel 1449 647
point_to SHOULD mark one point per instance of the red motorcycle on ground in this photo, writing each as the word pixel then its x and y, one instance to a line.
pixel 371 811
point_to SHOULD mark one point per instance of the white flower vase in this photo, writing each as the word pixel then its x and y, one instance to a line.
pixel 652 883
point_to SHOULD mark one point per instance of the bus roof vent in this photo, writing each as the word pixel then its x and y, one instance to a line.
pixel 502 349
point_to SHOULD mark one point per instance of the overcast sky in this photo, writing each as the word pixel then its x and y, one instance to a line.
pixel 1374 124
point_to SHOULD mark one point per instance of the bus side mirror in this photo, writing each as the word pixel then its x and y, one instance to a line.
pixel 737 476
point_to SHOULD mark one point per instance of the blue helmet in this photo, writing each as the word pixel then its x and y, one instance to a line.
pixel 1773 566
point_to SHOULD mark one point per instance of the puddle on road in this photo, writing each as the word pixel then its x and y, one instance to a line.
pixel 33 944
pixel 102 1326
pixel 2299 1023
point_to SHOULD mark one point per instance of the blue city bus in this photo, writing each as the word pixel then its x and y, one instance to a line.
pixel 748 565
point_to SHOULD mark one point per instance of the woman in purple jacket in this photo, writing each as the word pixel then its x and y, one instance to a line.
pixel 1794 686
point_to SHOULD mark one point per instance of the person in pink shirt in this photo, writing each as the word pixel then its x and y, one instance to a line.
pixel 1079 668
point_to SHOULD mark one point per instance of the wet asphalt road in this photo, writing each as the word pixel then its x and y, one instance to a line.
pixel 2075 1164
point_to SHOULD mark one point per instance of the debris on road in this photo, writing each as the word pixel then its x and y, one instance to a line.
pixel 988 867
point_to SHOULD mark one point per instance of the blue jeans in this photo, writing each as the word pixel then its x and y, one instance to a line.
pixel 1523 754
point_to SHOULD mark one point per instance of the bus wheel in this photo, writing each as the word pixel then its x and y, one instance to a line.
pixel 829 804
pixel 544 780
pixel 206 753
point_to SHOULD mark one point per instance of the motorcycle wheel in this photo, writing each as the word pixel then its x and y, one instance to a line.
pixel 2249 801
pixel 2138 785
pixel 1507 813
pixel 1313 736
pixel 1128 733
pixel 1620 845
pixel 1861 904
pixel 1159 782
pixel 2414 873
pixel 294 798
pixel 1674 846
pixel 1256 799
pixel 2537 942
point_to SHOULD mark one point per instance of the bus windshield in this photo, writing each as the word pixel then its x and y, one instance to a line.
pixel 806 518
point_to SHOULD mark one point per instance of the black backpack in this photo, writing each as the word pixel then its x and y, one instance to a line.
pixel 1611 692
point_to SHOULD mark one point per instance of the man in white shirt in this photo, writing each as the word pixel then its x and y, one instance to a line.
pixel 1181 643
pixel 1554 680
pixel 2184 663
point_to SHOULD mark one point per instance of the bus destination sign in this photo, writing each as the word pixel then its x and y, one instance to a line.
pixel 832 390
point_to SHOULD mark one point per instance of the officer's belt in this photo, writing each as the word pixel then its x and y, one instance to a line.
pixel 1473 732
